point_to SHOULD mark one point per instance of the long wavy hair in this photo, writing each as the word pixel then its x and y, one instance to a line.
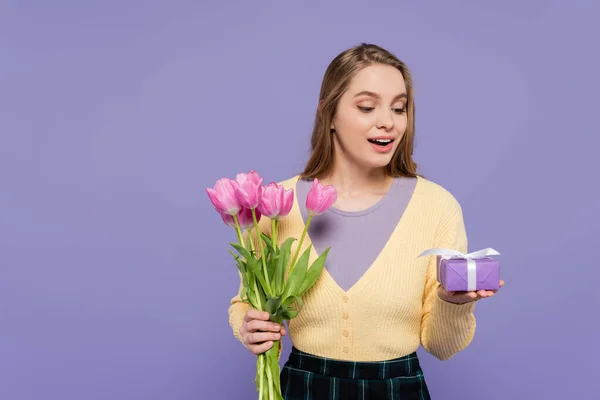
pixel 335 82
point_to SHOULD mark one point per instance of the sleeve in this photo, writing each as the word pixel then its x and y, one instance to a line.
pixel 446 328
pixel 237 311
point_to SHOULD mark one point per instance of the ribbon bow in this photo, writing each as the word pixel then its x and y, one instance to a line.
pixel 447 254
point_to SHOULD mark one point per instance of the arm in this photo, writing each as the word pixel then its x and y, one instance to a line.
pixel 237 311
pixel 446 328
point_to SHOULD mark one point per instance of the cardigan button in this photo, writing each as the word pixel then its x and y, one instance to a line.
pixel 345 349
pixel 346 332
pixel 345 299
pixel 345 315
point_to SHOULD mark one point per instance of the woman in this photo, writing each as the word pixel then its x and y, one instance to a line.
pixel 376 301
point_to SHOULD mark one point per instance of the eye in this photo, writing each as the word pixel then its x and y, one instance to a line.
pixel 365 109
pixel 399 110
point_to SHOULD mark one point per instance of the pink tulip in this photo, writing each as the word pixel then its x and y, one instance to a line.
pixel 251 176
pixel 276 201
pixel 244 218
pixel 248 189
pixel 227 219
pixel 223 197
pixel 320 198
pixel 287 201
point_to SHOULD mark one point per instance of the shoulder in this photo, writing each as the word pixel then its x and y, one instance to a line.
pixel 438 197
pixel 289 183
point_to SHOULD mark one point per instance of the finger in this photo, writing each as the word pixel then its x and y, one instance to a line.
pixel 260 348
pixel 463 298
pixel 258 325
pixel 260 337
pixel 445 292
pixel 282 331
pixel 255 314
pixel 467 297
pixel 501 283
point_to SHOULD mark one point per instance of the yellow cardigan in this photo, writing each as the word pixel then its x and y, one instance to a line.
pixel 394 306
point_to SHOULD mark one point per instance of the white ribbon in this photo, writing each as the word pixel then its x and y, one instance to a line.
pixel 447 254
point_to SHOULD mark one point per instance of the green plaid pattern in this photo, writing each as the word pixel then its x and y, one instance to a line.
pixel 308 377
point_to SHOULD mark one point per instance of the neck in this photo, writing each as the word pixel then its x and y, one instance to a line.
pixel 351 179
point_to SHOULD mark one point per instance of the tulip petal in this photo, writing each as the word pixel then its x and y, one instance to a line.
pixel 320 198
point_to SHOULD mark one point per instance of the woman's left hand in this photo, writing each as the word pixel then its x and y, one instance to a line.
pixel 465 297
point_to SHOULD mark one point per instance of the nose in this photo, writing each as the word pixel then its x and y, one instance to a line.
pixel 385 120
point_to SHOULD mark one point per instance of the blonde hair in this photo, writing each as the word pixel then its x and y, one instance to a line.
pixel 337 77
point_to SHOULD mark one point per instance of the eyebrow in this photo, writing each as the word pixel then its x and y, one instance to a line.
pixel 375 95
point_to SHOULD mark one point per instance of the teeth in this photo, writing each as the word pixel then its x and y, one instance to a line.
pixel 381 141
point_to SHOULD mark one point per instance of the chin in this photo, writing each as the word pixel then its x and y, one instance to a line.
pixel 376 162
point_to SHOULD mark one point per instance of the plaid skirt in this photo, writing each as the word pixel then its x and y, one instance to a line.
pixel 308 377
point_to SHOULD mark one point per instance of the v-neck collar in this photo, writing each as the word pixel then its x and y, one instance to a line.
pixel 370 273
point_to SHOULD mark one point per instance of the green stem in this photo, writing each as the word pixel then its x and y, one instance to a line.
pixel 273 371
pixel 261 368
pixel 274 226
pixel 300 244
pixel 270 382
pixel 238 230
pixel 255 286
pixel 251 242
pixel 262 252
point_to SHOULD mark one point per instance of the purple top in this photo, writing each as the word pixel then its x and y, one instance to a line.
pixel 356 238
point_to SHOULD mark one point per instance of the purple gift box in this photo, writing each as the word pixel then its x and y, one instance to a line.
pixel 458 272
pixel 454 274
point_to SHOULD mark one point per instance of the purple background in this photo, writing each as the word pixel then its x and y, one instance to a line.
pixel 115 117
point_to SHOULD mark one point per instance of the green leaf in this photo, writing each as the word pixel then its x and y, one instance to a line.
pixel 268 242
pixel 242 251
pixel 244 294
pixel 257 296
pixel 263 299
pixel 282 262
pixel 252 296
pixel 252 299
pixel 271 265
pixel 238 262
pixel 235 256
pixel 287 310
pixel 296 277
pixel 291 300
pixel 252 263
pixel 257 270
pixel 273 304
pixel 271 254
pixel 288 314
pixel 248 239
pixel 313 273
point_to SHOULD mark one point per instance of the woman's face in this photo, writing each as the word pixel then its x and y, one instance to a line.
pixel 371 117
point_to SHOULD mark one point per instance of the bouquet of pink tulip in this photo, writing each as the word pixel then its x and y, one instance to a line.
pixel 270 282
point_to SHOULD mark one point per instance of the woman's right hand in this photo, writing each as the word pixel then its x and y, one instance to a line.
pixel 258 333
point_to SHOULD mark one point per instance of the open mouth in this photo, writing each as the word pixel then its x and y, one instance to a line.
pixel 380 142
